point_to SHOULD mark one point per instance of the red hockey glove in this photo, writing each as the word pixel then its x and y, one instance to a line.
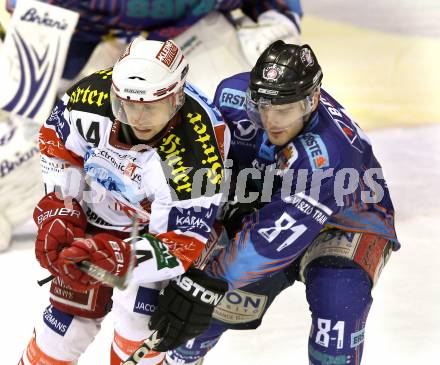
pixel 103 250
pixel 58 226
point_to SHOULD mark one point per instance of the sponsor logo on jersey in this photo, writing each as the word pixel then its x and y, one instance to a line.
pixel 208 344
pixel 196 219
pixel 56 320
pixel 239 306
pixel 105 177
pixel 49 166
pixel 208 143
pixel 191 159
pixel 57 120
pixel 88 96
pixel 168 53
pixel 173 153
pixel 307 205
pixel 50 143
pixel 130 169
pixel 95 218
pixel 114 181
pixel 146 301
pixel 121 162
pixel 232 98
pixel 357 338
pixel 164 258
pixel 316 150
pixel 245 130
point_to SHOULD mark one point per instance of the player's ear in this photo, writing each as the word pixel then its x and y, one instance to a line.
pixel 315 98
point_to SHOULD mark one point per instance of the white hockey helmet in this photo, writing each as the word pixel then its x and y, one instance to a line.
pixel 147 83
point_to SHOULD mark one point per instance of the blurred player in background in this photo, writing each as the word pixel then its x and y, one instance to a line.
pixel 258 23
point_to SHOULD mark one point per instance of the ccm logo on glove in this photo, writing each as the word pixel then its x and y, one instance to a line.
pixel 58 212
pixel 198 291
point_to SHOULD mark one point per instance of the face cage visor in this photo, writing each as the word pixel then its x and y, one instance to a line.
pixel 146 114
pixel 277 117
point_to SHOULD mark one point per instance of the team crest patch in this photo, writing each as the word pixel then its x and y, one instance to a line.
pixel 287 157
pixel 272 73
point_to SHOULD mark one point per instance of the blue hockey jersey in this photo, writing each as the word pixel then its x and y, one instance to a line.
pixel 326 177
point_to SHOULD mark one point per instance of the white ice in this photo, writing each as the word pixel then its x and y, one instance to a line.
pixel 404 323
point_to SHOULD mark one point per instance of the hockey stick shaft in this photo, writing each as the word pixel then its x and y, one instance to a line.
pixel 144 349
pixel 101 274
pixel 108 278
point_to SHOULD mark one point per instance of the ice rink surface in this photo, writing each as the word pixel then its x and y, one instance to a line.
pixel 379 60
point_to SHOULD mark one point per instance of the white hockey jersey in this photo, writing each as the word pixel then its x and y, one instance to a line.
pixel 173 187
